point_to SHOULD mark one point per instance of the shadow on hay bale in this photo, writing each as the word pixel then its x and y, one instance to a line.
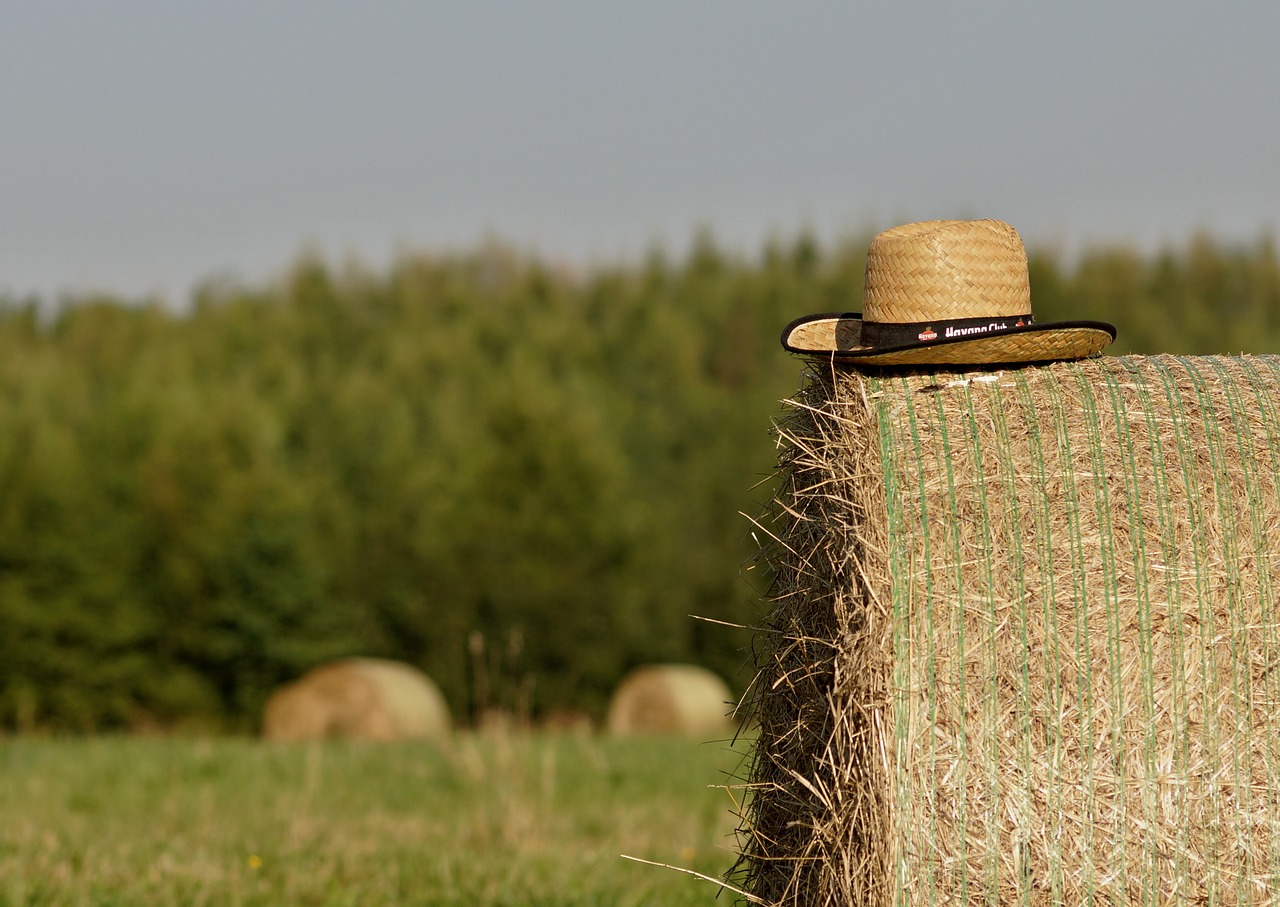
pixel 1024 644
pixel 670 699
pixel 360 699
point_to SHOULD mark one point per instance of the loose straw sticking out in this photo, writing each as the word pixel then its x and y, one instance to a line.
pixel 1023 643
pixel 697 875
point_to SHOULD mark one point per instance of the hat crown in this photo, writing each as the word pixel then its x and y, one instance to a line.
pixel 946 269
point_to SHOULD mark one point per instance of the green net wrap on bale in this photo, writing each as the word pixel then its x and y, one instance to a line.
pixel 1023 646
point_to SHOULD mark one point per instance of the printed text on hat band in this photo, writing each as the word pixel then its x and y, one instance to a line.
pixel 880 334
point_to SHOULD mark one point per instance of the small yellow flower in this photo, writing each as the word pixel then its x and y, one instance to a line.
pixel 255 861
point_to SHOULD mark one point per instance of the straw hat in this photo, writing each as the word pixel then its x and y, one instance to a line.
pixel 945 292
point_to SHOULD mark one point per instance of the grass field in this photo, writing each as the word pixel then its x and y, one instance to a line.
pixel 510 820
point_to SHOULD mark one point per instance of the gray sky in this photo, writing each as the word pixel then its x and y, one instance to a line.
pixel 149 145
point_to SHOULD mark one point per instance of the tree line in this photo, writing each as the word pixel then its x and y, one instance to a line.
pixel 523 478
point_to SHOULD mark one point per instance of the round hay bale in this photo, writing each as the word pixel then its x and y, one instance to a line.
pixel 670 699
pixel 357 698
pixel 1024 639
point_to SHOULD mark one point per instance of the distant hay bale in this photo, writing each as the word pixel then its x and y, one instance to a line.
pixel 357 698
pixel 670 699
pixel 1024 646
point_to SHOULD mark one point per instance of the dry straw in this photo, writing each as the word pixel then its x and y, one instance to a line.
pixel 945 292
pixel 357 698
pixel 1023 648
pixel 670 699
pixel 946 269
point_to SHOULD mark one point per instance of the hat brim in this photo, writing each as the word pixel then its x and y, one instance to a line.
pixel 839 335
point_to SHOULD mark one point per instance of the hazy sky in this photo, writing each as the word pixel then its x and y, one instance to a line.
pixel 149 145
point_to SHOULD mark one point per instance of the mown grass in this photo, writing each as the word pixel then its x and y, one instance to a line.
pixel 510 820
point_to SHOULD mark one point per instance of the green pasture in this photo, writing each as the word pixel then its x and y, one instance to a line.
pixel 501 819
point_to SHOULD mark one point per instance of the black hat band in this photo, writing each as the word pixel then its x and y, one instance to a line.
pixel 882 334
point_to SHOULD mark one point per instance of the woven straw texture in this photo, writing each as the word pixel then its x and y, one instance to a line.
pixel 942 269
pixel 1024 647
